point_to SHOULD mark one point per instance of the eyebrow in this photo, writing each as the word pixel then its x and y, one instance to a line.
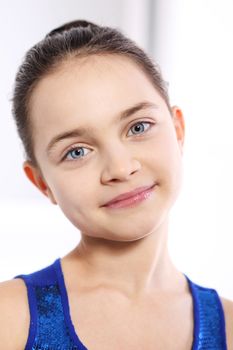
pixel 82 131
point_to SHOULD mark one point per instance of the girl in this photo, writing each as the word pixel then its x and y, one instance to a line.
pixel 103 142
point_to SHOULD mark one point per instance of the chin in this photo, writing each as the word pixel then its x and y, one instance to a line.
pixel 132 237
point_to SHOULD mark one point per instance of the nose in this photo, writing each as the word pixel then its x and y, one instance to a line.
pixel 119 165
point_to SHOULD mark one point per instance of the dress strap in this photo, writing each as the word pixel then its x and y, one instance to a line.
pixel 209 320
pixel 48 329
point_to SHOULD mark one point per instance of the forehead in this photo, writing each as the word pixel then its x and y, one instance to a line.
pixel 87 90
pixel 89 81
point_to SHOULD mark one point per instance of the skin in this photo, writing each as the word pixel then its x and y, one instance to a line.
pixel 123 253
pixel 118 161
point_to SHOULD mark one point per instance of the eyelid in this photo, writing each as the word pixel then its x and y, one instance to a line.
pixel 75 146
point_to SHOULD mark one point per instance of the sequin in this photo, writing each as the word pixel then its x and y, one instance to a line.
pixel 52 332
pixel 211 333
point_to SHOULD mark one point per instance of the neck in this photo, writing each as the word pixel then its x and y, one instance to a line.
pixel 134 268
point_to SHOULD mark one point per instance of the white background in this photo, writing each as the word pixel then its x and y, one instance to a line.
pixel 192 42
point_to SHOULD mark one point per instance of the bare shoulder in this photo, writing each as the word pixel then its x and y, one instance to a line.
pixel 14 314
pixel 228 312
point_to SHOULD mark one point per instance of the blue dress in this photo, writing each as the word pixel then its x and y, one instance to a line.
pixel 51 327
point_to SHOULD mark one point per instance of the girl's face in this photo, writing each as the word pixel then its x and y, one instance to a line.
pixel 101 129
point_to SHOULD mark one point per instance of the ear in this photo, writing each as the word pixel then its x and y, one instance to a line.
pixel 34 175
pixel 179 125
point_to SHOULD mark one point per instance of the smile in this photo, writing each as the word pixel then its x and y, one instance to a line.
pixel 133 200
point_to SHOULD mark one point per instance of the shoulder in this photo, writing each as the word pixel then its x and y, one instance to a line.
pixel 14 314
pixel 228 312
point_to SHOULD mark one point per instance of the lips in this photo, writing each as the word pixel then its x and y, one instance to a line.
pixel 128 195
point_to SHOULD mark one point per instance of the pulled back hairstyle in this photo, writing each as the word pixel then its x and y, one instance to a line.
pixel 74 39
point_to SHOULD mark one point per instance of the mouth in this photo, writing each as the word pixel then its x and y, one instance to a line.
pixel 131 198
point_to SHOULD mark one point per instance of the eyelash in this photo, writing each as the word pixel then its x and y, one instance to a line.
pixel 65 158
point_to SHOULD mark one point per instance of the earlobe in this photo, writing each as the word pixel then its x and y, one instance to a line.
pixel 34 175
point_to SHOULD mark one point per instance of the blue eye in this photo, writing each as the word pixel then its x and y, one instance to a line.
pixel 75 153
pixel 139 127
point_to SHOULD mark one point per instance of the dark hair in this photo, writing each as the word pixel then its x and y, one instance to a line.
pixel 74 39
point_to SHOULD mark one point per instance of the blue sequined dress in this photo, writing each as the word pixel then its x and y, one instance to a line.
pixel 51 326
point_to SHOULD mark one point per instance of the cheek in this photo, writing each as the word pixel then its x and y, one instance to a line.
pixel 163 149
pixel 167 159
pixel 73 190
pixel 174 170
